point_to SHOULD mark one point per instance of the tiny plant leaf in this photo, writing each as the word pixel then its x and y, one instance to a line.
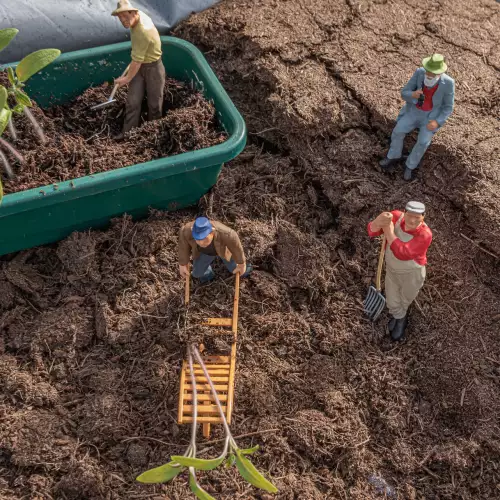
pixel 161 474
pixel 18 109
pixel 250 451
pixel 5 115
pixel 22 98
pixel 198 463
pixel 197 489
pixel 231 460
pixel 6 36
pixel 3 96
pixel 35 62
pixel 252 475
pixel 11 75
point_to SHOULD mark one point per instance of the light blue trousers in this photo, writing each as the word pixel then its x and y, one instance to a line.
pixel 412 119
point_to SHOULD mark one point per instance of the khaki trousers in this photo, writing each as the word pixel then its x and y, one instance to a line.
pixel 149 79
pixel 401 289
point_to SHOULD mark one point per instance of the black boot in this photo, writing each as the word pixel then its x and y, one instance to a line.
pixel 398 331
pixel 408 174
pixel 391 324
pixel 387 163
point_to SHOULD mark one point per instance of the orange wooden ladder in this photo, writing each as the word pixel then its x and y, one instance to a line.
pixel 221 370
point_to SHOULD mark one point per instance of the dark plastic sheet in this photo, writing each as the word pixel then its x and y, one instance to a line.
pixel 70 25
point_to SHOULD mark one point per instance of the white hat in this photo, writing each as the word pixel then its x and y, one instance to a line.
pixel 415 207
pixel 123 6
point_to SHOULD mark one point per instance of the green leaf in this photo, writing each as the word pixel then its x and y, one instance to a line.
pixel 252 475
pixel 250 451
pixel 5 115
pixel 198 463
pixel 160 474
pixel 3 96
pixel 6 36
pixel 22 98
pixel 197 489
pixel 230 460
pixel 11 75
pixel 18 109
pixel 35 62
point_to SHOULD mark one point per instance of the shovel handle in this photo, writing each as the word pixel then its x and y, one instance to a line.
pixel 115 88
pixel 236 303
pixel 187 281
pixel 378 285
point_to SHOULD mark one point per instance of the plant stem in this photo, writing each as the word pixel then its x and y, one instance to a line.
pixel 36 125
pixel 214 392
pixel 6 164
pixel 12 150
pixel 12 130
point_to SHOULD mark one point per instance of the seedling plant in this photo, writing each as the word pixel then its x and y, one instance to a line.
pixel 29 66
pixel 231 453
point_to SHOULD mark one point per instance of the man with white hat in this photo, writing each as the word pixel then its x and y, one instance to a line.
pixel 430 97
pixel 204 240
pixel 146 73
pixel 407 239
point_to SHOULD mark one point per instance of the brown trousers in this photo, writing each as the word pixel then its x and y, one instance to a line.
pixel 150 79
pixel 401 289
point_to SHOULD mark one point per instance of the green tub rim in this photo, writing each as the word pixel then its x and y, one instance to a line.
pixel 140 172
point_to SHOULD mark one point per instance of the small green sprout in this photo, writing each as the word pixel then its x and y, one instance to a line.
pixel 29 65
pixel 231 453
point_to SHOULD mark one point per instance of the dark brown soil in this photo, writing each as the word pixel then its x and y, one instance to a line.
pixel 80 140
pixel 93 329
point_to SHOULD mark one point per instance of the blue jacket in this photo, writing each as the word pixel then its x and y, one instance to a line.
pixel 443 99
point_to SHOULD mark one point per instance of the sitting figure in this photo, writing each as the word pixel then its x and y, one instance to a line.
pixel 429 96
pixel 205 240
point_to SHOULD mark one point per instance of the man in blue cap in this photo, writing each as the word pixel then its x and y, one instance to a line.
pixel 430 97
pixel 205 240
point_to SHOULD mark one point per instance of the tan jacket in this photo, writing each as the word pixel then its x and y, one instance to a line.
pixel 226 241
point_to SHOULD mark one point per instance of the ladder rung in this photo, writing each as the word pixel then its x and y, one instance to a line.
pixel 211 372
pixel 216 359
pixel 206 387
pixel 218 378
pixel 225 366
pixel 204 397
pixel 202 409
pixel 218 322
pixel 210 420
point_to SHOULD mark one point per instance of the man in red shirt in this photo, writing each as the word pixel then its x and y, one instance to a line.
pixel 407 239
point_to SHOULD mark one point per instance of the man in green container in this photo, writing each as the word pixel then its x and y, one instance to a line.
pixel 146 72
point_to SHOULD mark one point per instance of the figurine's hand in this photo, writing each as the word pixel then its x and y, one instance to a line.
pixel 416 94
pixel 123 80
pixel 432 125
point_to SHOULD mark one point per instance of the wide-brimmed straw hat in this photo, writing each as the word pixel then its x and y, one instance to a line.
pixel 435 64
pixel 123 6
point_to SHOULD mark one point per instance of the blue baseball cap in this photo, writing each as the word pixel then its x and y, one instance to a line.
pixel 201 228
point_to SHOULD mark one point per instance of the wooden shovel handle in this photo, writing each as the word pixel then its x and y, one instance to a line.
pixel 115 88
pixel 236 303
pixel 378 285
pixel 187 282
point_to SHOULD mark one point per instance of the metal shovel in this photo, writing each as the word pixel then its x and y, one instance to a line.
pixel 112 96
pixel 375 301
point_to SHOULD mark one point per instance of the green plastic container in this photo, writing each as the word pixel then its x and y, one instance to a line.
pixel 50 213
